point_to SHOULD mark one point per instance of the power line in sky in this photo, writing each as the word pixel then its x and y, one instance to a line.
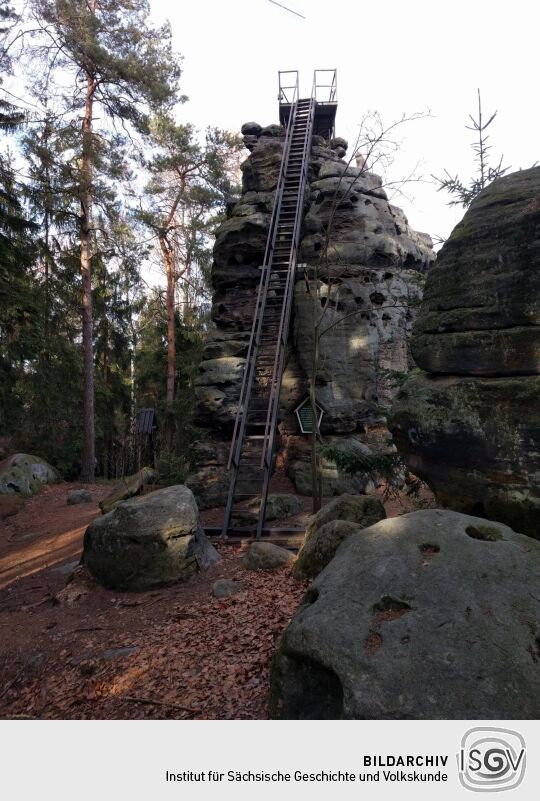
pixel 286 9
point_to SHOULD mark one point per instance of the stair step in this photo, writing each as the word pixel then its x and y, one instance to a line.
pixel 272 306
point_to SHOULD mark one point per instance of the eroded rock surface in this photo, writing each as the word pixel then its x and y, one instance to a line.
pixel 481 309
pixel 150 541
pixel 371 273
pixel 430 615
pixel 330 526
pixel 25 474
pixel 470 427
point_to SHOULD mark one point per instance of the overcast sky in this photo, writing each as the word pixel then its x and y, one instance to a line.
pixel 394 57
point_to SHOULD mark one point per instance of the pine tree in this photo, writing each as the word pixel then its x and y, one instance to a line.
pixel 121 67
pixel 189 185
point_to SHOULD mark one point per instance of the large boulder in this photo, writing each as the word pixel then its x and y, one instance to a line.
pixel 25 474
pixel 471 428
pixel 330 526
pixel 150 541
pixel 431 615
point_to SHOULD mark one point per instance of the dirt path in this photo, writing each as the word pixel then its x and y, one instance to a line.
pixel 171 653
pixel 46 532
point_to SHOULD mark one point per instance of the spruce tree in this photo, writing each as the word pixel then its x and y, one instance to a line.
pixel 18 302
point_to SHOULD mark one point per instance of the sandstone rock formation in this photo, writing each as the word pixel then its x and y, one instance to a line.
pixel 360 509
pixel 430 615
pixel 150 541
pixel 330 526
pixel 266 556
pixel 320 549
pixel 25 474
pixel 371 270
pixel 279 505
pixel 470 426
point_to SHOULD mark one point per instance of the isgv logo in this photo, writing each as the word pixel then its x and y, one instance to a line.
pixel 491 759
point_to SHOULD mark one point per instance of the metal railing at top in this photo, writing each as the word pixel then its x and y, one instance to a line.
pixel 288 86
pixel 249 369
pixel 325 86
pixel 277 373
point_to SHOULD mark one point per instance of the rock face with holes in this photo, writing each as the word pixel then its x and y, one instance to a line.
pixel 368 276
pixel 150 541
pixel 470 426
pixel 431 615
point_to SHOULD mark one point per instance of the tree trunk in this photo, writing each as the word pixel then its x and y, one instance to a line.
pixel 88 459
pixel 171 334
pixel 187 277
pixel 169 262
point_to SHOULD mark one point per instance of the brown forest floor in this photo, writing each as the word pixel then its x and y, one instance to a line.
pixel 80 651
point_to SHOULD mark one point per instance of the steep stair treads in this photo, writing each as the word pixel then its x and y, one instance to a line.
pixel 252 447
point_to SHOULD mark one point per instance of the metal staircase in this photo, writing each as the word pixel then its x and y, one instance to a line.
pixel 252 446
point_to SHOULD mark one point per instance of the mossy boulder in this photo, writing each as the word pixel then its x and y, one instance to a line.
pixel 79 496
pixel 363 510
pixel 266 556
pixel 150 541
pixel 25 474
pixel 330 526
pixel 321 548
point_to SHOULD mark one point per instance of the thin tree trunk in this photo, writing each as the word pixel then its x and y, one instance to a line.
pixel 187 277
pixel 88 460
pixel 171 334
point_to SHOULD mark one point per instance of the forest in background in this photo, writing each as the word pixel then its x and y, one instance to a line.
pixel 100 183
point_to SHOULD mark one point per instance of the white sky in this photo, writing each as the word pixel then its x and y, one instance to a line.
pixel 395 56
